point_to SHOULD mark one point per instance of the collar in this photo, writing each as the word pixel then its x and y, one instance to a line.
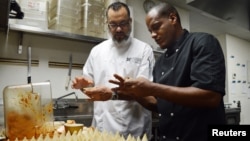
pixel 176 45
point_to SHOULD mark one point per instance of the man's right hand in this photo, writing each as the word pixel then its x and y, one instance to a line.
pixel 81 82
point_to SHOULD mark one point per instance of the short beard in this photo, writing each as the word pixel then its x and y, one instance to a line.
pixel 120 42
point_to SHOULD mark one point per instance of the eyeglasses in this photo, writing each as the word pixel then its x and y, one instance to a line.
pixel 121 25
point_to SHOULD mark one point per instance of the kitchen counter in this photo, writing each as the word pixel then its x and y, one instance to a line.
pixel 69 109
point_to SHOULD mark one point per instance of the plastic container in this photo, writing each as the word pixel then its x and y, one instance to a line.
pixel 70 29
pixel 70 3
pixel 66 11
pixel 94 19
pixel 67 21
pixel 57 7
pixel 28 110
pixel 37 5
pixel 97 1
pixel 33 14
pixel 43 24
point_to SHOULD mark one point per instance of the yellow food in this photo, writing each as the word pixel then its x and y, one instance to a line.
pixel 70 121
pixel 76 127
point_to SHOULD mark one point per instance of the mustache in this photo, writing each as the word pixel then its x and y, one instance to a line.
pixel 119 33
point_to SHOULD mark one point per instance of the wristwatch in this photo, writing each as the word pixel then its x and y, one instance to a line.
pixel 114 96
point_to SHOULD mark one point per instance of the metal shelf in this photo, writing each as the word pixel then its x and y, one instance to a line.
pixel 54 33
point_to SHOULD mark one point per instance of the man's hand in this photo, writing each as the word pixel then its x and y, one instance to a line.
pixel 101 93
pixel 135 87
pixel 81 82
pixel 138 89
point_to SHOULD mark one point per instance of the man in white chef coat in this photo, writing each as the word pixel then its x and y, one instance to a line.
pixel 123 55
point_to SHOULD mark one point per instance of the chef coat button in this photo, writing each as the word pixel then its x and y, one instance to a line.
pixel 171 114
pixel 176 50
pixel 172 68
pixel 164 137
pixel 159 115
pixel 162 73
pixel 177 138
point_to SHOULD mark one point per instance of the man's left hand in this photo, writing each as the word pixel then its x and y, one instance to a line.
pixel 134 87
pixel 100 93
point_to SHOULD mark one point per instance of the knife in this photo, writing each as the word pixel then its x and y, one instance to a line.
pixel 69 73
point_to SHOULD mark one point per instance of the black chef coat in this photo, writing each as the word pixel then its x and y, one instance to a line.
pixel 196 60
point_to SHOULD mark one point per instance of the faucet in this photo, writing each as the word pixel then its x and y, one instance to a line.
pixel 61 97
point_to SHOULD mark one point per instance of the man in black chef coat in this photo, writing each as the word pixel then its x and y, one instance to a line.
pixel 189 79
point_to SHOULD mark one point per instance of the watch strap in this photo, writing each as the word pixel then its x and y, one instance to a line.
pixel 114 96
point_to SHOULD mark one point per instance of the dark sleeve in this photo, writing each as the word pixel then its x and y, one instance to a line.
pixel 208 67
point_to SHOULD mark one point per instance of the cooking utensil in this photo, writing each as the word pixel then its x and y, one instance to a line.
pixel 69 73
pixel 29 65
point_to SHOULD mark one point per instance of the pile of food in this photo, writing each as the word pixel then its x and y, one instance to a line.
pixel 84 134
pixel 87 134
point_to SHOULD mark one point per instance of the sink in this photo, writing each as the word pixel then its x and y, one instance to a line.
pixel 81 111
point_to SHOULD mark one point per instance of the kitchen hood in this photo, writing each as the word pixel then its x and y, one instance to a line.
pixel 236 12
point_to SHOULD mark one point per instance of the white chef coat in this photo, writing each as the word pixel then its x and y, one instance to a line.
pixel 133 60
